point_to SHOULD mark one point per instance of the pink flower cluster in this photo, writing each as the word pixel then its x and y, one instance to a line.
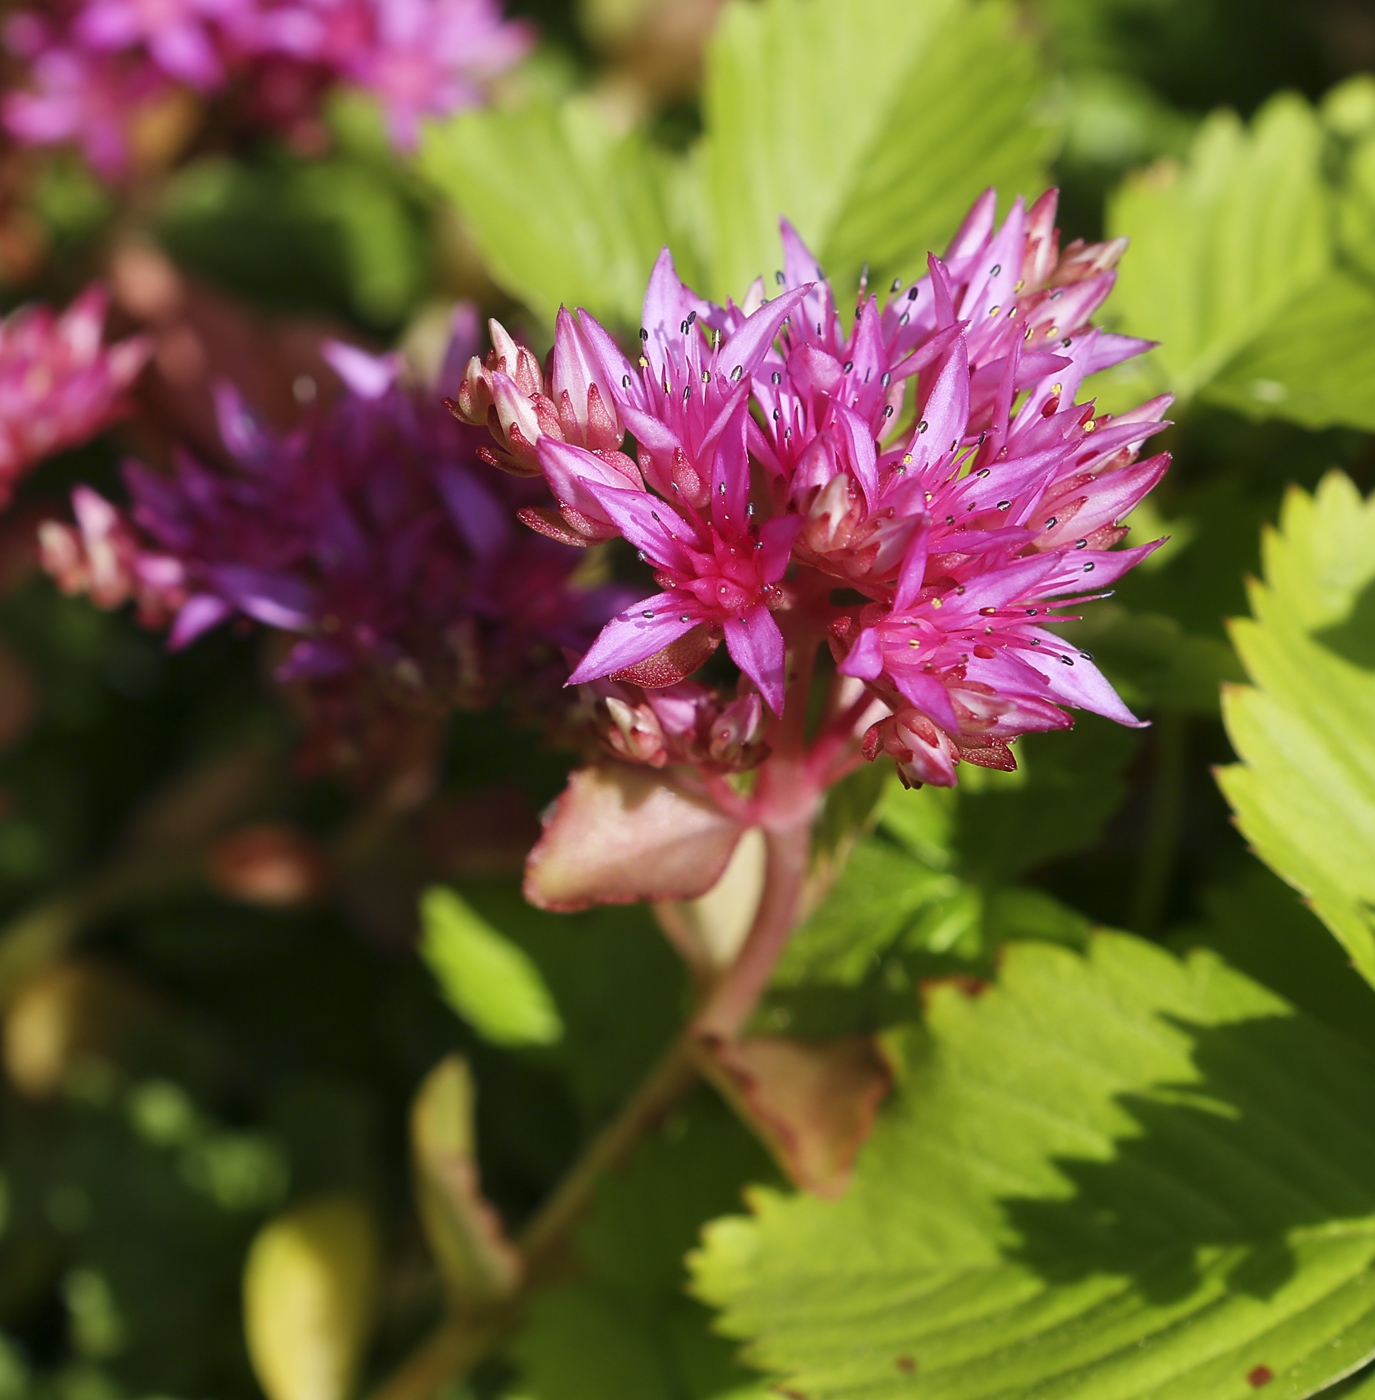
pixel 922 488
pixel 59 383
pixel 96 66
pixel 371 537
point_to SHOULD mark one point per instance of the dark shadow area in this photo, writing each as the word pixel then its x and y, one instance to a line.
pixel 1270 1140
pixel 1354 639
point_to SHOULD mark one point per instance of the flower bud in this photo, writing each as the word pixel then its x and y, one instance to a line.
pixel 505 394
pixel 923 752
pixel 734 737
pixel 586 401
pixel 635 733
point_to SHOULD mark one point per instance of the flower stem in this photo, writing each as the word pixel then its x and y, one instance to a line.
pixel 729 1006
pixel 461 1341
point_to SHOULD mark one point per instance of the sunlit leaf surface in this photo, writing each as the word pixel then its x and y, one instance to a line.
pixel 1304 793
pixel 1116 1178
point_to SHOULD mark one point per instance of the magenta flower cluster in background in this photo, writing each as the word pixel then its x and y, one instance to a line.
pixel 372 537
pixel 95 68
pixel 59 383
pixel 923 489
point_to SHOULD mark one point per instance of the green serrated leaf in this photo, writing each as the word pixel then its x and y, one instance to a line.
pixel 564 209
pixel 996 825
pixel 894 899
pixel 1120 1177
pixel 1304 793
pixel 1223 243
pixel 485 977
pixel 1071 785
pixel 871 125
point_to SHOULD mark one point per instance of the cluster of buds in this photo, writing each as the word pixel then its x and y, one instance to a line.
pixel 99 69
pixel 507 394
pixel 59 383
pixel 687 723
pixel 921 488
pixel 370 538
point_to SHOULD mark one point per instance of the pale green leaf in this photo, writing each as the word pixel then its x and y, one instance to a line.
pixel 1304 793
pixel 1222 243
pixel 871 125
pixel 1315 364
pixel 485 977
pixel 563 209
pixel 464 1233
pixel 1124 1177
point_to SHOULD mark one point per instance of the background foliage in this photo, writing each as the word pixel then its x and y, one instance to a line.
pixel 1139 1165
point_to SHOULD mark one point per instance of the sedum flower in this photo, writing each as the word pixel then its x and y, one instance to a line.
pixel 59 382
pixel 922 487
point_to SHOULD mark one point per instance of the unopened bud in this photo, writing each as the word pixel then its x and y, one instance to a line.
pixel 735 733
pixel 923 752
pixel 834 516
pixel 635 733
pixel 517 362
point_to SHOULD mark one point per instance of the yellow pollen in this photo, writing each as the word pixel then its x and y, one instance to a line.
pixel 935 602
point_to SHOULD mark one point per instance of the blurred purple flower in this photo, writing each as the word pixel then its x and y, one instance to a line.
pixel 372 537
